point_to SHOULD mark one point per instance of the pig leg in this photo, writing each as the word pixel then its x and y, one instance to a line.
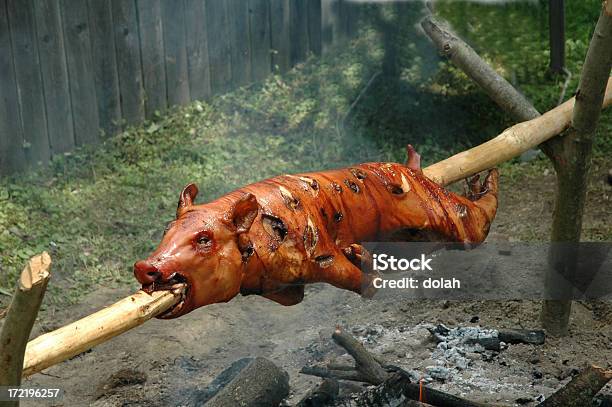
pixel 473 214
pixel 484 195
pixel 343 273
pixel 335 269
pixel 359 256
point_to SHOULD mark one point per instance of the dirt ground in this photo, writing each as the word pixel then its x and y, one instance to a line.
pixel 173 359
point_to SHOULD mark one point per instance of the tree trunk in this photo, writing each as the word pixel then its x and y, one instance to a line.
pixel 572 158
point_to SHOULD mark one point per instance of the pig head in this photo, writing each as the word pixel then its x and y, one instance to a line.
pixel 200 249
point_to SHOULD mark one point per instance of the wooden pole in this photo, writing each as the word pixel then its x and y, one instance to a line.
pixel 511 143
pixel 20 318
pixel 70 340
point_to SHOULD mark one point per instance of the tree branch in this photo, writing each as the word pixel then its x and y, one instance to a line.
pixel 350 375
pixel 366 364
pixel 20 318
pixel 595 73
pixel 493 84
pixel 466 59
pixel 580 390
pixel 389 386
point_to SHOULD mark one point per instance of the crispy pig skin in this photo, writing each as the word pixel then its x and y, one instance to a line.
pixel 272 237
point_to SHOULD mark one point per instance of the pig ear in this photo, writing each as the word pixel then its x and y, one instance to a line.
pixel 186 198
pixel 244 212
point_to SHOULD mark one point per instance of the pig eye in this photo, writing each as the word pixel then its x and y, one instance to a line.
pixel 204 240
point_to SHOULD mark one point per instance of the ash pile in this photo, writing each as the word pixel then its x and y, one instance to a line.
pixel 423 365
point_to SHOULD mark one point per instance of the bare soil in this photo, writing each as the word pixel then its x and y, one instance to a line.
pixel 169 360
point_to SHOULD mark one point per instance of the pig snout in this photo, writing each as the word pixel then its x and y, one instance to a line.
pixel 146 273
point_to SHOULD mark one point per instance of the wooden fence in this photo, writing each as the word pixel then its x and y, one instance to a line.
pixel 72 71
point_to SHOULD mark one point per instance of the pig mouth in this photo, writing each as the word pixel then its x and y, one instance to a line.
pixel 178 284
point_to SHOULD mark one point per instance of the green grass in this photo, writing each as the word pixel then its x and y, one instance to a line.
pixel 101 208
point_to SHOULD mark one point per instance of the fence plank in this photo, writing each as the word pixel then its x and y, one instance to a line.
pixel 81 65
pixel 239 13
pixel 299 31
pixel 127 47
pixel 314 26
pixel 280 35
pixel 11 135
pixel 104 64
pixel 177 80
pixel 261 59
pixel 80 71
pixel 55 75
pixel 29 82
pixel 219 49
pixel 152 52
pixel 197 49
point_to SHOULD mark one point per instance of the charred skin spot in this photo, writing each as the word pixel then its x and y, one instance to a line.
pixel 324 260
pixel 354 187
pixel 405 184
pixel 329 223
pixel 461 210
pixel 336 187
pixel 311 237
pixel 324 214
pixel 290 202
pixel 395 189
pixel 338 217
pixel 312 182
pixel 349 252
pixel 247 253
pixel 357 173
pixel 274 226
